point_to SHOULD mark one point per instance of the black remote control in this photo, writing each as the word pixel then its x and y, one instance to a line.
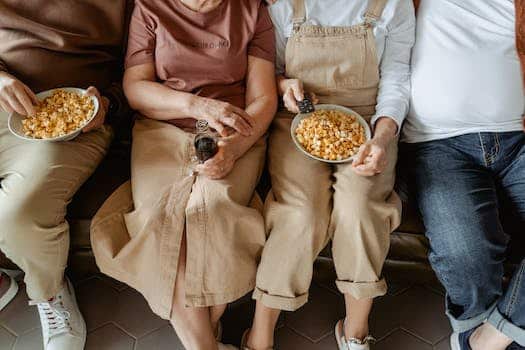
pixel 306 106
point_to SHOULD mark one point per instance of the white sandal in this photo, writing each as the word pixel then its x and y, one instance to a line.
pixel 352 343
pixel 11 292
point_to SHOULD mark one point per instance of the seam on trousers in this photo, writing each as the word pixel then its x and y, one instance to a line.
pixel 514 295
pixel 483 150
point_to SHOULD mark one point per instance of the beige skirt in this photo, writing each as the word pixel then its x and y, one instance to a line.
pixel 136 235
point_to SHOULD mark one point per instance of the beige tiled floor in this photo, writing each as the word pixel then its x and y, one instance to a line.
pixel 410 317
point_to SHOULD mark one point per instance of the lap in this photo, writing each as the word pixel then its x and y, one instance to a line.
pixel 43 171
pixel 456 197
pixel 294 175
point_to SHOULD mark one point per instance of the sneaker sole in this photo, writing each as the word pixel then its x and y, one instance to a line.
pixel 10 294
pixel 84 328
pixel 454 341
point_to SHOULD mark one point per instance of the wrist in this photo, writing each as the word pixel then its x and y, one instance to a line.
pixel 385 129
pixel 192 105
pixel 282 85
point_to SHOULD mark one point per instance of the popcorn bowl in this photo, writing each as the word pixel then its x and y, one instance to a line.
pixel 17 129
pixel 299 117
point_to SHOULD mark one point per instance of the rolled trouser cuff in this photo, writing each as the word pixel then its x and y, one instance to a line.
pixel 280 302
pixel 363 290
pixel 506 327
pixel 461 326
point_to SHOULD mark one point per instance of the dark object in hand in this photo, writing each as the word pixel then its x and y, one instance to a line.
pixel 306 106
pixel 205 147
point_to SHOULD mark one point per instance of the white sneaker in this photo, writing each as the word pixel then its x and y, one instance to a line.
pixel 350 344
pixel 63 327
pixel 9 287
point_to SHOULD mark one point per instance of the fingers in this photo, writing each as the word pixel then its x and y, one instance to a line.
pixel 15 105
pixel 298 90
pixel 290 102
pixel 100 118
pixel 219 127
pixel 313 98
pixel 369 162
pixel 5 107
pixel 238 123
pixel 31 95
pixel 363 153
pixel 243 114
pixel 25 101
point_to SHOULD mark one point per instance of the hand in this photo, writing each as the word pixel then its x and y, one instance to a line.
pixel 100 118
pixel 371 158
pixel 222 163
pixel 271 2
pixel 293 91
pixel 15 96
pixel 221 116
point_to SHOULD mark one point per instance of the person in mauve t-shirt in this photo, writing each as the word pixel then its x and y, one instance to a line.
pixel 192 241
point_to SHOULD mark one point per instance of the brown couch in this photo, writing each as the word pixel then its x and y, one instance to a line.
pixel 408 252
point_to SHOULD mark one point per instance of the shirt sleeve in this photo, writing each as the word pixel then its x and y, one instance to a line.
pixel 394 88
pixel 262 44
pixel 141 38
pixel 280 18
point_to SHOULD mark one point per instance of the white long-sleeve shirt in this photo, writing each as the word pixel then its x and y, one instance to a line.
pixel 466 75
pixel 394 32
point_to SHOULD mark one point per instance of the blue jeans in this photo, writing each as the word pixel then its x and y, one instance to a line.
pixel 460 185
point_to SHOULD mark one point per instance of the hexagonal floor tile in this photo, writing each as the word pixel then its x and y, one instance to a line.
pixel 164 338
pixel 29 341
pixel 423 313
pixel 384 318
pixel 287 339
pixel 134 314
pixel 402 340
pixel 18 317
pixel 443 345
pixel 119 286
pixel 109 337
pixel 7 340
pixel 97 302
pixel 318 317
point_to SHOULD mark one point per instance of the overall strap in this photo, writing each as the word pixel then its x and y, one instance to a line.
pixel 374 11
pixel 299 14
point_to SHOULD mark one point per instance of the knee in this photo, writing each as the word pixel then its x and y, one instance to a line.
pixel 465 262
pixel 22 220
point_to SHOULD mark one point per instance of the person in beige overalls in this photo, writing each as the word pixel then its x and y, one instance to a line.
pixel 312 202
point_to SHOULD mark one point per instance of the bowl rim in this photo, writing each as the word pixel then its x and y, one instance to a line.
pixel 301 116
pixel 66 137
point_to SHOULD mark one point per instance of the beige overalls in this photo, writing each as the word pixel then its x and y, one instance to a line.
pixel 312 201
pixel 136 235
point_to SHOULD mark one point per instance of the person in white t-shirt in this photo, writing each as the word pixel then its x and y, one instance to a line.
pixel 464 155
pixel 355 54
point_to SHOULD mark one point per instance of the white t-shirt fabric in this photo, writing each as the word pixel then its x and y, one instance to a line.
pixel 466 75
pixel 394 32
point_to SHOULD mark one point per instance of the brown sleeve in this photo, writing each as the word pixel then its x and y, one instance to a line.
pixel 262 44
pixel 141 38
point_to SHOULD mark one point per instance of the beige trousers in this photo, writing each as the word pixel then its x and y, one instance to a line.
pixel 312 202
pixel 37 181
pixel 137 234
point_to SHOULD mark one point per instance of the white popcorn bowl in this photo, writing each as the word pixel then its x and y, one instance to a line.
pixel 299 117
pixel 15 120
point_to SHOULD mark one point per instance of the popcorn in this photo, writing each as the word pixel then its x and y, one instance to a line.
pixel 58 115
pixel 331 134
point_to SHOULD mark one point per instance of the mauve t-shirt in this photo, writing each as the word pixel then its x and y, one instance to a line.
pixel 201 53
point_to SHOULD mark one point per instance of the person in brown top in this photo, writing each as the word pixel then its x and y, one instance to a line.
pixel 48 44
pixel 184 234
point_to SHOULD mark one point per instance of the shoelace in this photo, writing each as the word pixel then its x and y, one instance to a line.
pixel 55 316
